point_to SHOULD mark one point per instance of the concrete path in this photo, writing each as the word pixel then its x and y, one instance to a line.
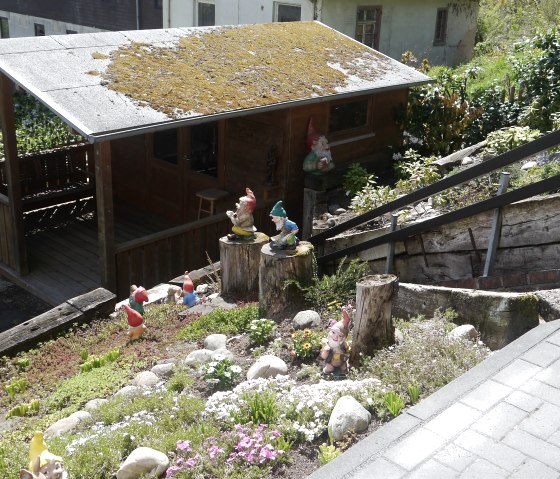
pixel 500 419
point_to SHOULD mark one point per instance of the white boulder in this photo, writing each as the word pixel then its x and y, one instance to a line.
pixel 215 341
pixel 306 319
pixel 348 415
pixel 267 366
pixel 143 462
pixel 145 379
pixel 466 331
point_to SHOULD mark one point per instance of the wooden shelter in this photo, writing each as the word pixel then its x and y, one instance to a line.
pixel 169 114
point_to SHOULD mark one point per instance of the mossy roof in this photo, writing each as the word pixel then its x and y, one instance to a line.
pixel 113 84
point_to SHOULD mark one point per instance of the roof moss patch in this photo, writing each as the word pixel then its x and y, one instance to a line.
pixel 232 68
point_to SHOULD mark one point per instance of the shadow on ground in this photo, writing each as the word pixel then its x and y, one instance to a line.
pixel 17 305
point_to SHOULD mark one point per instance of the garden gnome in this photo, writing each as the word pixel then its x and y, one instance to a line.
pixel 242 218
pixel 335 348
pixel 137 298
pixel 136 326
pixel 190 298
pixel 319 160
pixel 42 463
pixel 287 239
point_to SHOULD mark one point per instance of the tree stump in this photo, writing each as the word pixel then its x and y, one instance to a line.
pixel 239 264
pixel 373 327
pixel 278 266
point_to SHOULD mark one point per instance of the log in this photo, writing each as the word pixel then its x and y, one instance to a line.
pixel 239 264
pixel 275 268
pixel 373 327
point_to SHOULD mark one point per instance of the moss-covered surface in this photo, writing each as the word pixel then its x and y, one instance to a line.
pixel 230 68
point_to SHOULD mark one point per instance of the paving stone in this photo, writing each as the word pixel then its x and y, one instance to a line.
pixel 554 338
pixel 453 420
pixel 415 449
pixel 497 453
pixel 534 447
pixel 431 469
pixel 543 391
pixel 534 469
pixel 550 375
pixel 524 401
pixel 543 354
pixel 554 439
pixel 455 457
pixel 483 469
pixel 379 469
pixel 517 373
pixel 544 422
pixel 501 419
pixel 486 395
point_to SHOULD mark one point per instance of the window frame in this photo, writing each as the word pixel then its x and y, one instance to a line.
pixel 277 6
pixel 353 133
pixel 4 27
pixel 440 34
pixel 198 4
pixel 378 13
pixel 39 27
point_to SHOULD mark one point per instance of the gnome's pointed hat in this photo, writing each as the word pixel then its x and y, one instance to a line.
pixel 188 285
pixel 251 202
pixel 344 324
pixel 312 134
pixel 279 210
pixel 140 295
pixel 133 317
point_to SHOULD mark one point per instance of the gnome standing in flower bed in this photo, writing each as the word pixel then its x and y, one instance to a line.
pixel 138 296
pixel 335 349
pixel 287 239
pixel 242 218
pixel 190 298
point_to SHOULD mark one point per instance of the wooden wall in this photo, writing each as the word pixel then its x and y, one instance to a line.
pixel 7 253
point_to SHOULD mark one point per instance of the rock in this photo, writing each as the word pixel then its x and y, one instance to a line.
pixel 163 371
pixel 94 404
pixel 198 356
pixel 466 160
pixel 145 379
pixel 202 288
pixel 399 337
pixel 222 353
pixel 466 331
pixel 529 164
pixel 348 415
pixel 215 341
pixel 339 211
pixel 331 222
pixel 167 361
pixel 306 319
pixel 129 392
pixel 143 462
pixel 67 424
pixel 333 208
pixel 267 366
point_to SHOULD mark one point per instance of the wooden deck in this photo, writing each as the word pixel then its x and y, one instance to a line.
pixel 63 250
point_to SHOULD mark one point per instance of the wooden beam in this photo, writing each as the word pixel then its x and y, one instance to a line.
pixel 105 215
pixel 7 118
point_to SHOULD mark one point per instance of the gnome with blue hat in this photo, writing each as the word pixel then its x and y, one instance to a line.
pixel 286 239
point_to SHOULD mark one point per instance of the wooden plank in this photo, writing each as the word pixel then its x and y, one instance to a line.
pixel 18 254
pixel 123 274
pixel 4 234
pixel 105 217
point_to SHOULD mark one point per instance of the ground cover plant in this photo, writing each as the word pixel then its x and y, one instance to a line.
pixel 210 421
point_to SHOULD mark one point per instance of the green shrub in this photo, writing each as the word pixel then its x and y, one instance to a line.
pixel 261 331
pixel 414 393
pixel 509 138
pixel 220 320
pixel 372 196
pixel 357 178
pixel 394 403
pixel 258 408
pixel 220 374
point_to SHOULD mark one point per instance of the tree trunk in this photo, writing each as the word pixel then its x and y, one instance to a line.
pixel 239 264
pixel 373 327
pixel 275 268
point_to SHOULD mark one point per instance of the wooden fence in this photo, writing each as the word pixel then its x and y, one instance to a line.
pixel 7 253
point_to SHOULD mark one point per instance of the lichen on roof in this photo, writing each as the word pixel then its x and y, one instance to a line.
pixel 232 68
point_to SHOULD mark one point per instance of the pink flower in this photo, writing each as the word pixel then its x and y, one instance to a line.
pixel 184 446
pixel 193 461
pixel 275 434
pixel 171 471
pixel 214 451
pixel 267 454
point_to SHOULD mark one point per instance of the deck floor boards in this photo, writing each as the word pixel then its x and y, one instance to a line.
pixel 64 257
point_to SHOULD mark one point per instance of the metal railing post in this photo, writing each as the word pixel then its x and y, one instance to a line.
pixel 496 229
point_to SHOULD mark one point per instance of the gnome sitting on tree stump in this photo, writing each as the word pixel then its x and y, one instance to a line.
pixel 287 239
pixel 335 349
pixel 242 218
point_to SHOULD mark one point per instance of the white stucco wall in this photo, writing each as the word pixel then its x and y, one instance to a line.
pixel 409 25
pixel 24 25
pixel 182 13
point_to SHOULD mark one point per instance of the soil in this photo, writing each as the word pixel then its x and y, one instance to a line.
pixel 17 305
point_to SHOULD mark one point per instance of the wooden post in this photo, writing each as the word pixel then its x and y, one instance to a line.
pixel 310 199
pixel 7 118
pixel 275 268
pixel 496 229
pixel 391 246
pixel 373 327
pixel 105 215
pixel 239 264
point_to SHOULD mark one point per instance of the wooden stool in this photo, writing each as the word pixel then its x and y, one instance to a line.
pixel 210 195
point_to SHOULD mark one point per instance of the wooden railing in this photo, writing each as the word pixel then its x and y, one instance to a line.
pixel 55 176
pixel 7 253
pixel 161 256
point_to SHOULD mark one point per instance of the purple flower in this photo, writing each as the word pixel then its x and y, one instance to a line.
pixel 214 451
pixel 193 461
pixel 275 434
pixel 171 471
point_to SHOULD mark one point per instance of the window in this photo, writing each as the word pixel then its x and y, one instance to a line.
pixel 287 13
pixel 368 23
pixel 206 14
pixel 441 27
pixel 348 116
pixel 4 28
pixel 39 30
pixel 165 146
pixel 204 149
pixel 71 32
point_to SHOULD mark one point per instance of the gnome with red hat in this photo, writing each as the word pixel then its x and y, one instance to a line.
pixel 137 298
pixel 188 294
pixel 136 326
pixel 242 218
pixel 319 160
pixel 335 349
